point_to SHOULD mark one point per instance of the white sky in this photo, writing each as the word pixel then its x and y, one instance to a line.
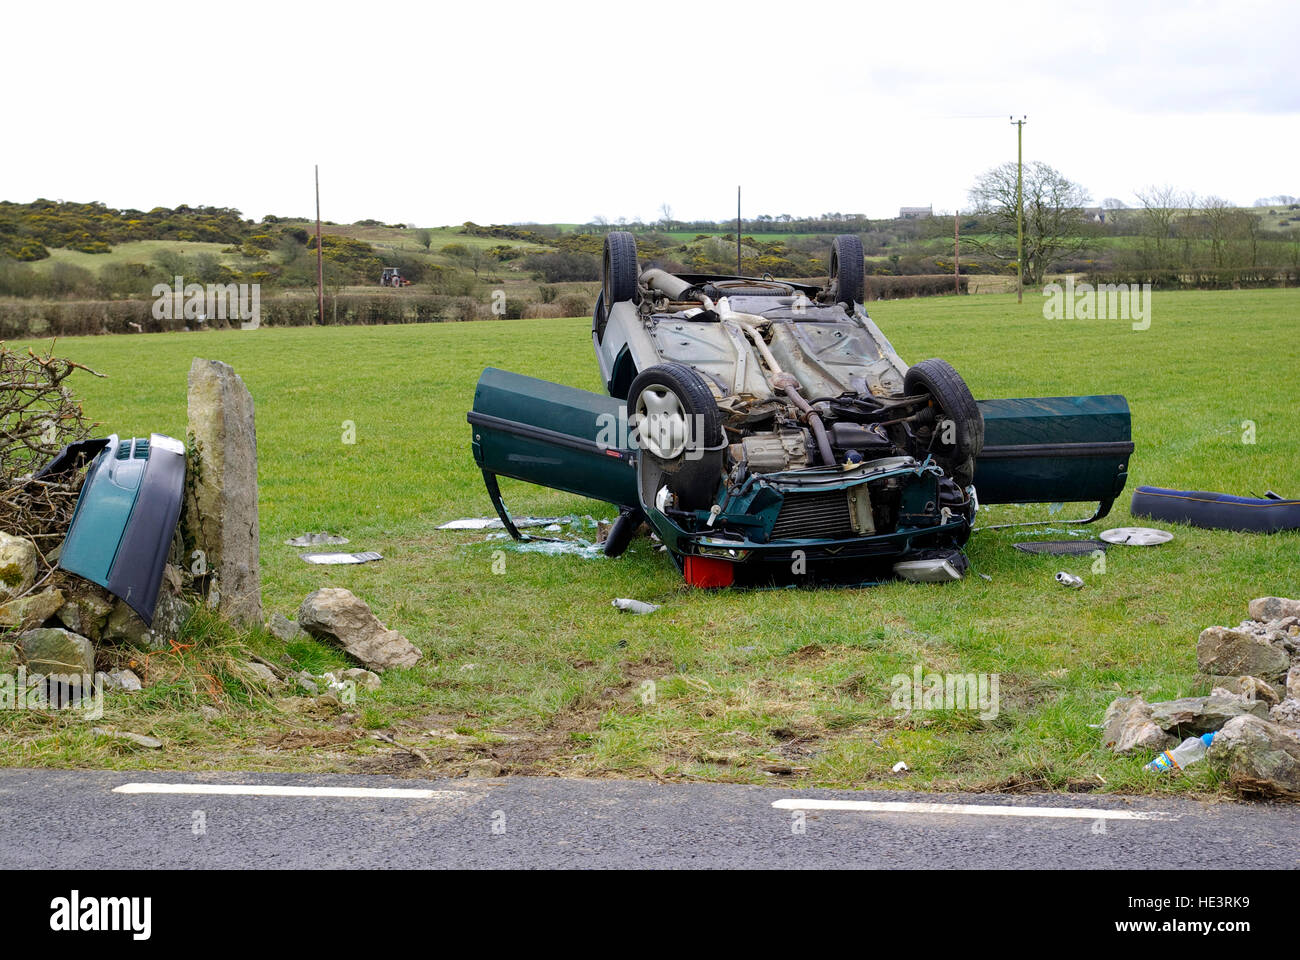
pixel 500 111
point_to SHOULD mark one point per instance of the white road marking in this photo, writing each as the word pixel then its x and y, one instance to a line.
pixel 969 809
pixel 271 790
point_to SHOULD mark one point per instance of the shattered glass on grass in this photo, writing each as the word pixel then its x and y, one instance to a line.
pixel 562 536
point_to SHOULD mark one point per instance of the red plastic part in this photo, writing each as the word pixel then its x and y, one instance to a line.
pixel 709 572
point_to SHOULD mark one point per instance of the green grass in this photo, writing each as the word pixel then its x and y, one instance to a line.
pixel 534 667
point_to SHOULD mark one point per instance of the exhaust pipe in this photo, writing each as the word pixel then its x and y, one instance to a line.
pixel 665 283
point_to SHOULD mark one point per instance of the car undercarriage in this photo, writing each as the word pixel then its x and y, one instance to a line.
pixel 767 431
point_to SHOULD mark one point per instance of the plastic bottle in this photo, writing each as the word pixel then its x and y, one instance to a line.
pixel 1187 752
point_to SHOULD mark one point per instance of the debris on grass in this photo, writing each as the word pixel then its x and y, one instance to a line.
pixel 1137 536
pixel 340 558
pixel 139 739
pixel 316 540
pixel 628 605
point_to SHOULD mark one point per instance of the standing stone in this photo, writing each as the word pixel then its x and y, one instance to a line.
pixel 17 566
pixel 221 510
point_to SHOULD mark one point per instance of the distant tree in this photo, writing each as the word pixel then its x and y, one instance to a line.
pixel 1053 215
pixel 1160 212
pixel 1114 203
pixel 470 257
pixel 1221 224
pixel 424 238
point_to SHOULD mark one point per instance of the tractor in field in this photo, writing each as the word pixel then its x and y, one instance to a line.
pixel 392 277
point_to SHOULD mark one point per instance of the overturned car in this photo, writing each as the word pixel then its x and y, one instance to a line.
pixel 767 431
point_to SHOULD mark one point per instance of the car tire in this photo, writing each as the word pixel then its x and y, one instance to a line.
pixel 619 270
pixel 686 414
pixel 950 394
pixel 847 269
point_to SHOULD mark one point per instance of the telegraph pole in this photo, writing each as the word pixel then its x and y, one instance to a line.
pixel 956 251
pixel 1020 207
pixel 737 230
pixel 320 262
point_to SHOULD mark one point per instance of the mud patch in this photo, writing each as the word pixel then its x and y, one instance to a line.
pixel 302 737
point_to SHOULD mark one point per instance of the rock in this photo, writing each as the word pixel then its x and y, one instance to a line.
pixel 308 683
pixel 1261 758
pixel 1221 650
pixel 282 628
pixel 1245 686
pixel 338 616
pixel 1128 726
pixel 8 657
pixel 1253 688
pixel 32 610
pixel 17 566
pixel 1286 713
pixel 169 618
pixel 86 610
pixel 221 509
pixel 53 650
pixel 362 678
pixel 1293 682
pixel 125 680
pixel 209 713
pixel 137 738
pixel 263 673
pixel 484 770
pixel 1264 609
pixel 1192 716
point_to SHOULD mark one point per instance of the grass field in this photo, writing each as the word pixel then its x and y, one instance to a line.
pixel 534 668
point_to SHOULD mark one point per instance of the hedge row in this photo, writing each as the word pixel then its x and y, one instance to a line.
pixel 925 285
pixel 1208 278
pixel 20 318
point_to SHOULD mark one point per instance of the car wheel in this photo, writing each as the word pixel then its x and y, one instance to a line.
pixel 846 269
pixel 957 448
pixel 679 427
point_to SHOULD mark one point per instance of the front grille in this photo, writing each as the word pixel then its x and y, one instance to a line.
pixel 808 515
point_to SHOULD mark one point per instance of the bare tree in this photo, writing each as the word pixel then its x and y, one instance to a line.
pixel 1053 215
pixel 1219 217
pixel 1160 210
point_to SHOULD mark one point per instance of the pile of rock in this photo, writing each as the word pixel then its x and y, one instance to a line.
pixel 1253 707
pixel 55 629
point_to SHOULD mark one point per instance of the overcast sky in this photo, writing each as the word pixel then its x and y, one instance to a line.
pixel 561 111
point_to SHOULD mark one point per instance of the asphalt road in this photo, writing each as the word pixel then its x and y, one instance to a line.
pixel 546 822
